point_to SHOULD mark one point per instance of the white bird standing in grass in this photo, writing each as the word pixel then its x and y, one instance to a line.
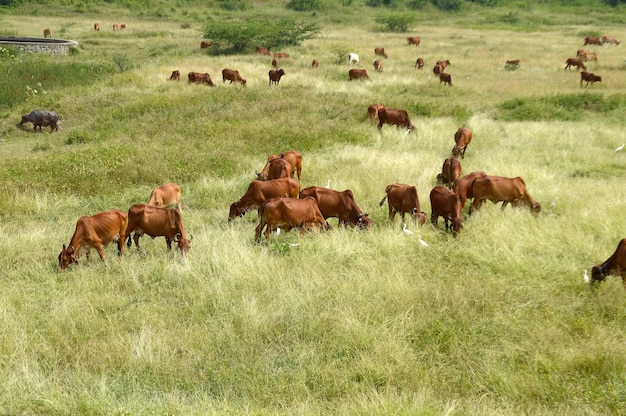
pixel 586 277
pixel 328 184
pixel 422 242
pixel 277 230
pixel 406 230
pixel 620 147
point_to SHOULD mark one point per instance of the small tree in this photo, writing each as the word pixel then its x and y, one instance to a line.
pixel 395 22
pixel 304 5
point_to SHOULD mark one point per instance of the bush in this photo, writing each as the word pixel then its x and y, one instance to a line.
pixel 234 4
pixel 395 22
pixel 447 5
pixel 304 5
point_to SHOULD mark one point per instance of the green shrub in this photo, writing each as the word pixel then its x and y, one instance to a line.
pixel 560 107
pixel 447 5
pixel 304 5
pixel 396 22
pixel 234 4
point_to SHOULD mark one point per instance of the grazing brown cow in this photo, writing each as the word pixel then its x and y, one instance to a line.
pixel 96 27
pixel 450 172
pixel 166 196
pixel 373 109
pixel 175 75
pixel 378 66
pixel 419 63
pixel 507 190
pixel 414 40
pixel 288 213
pixel 96 232
pixel 116 27
pixel 578 63
pixel 380 52
pixel 275 62
pixel 47 33
pixel 587 56
pixel 589 77
pixel 338 204
pixel 440 66
pixel 610 39
pixel 260 191
pixel 262 51
pixel 123 26
pixel 275 75
pixel 512 64
pixel 462 139
pixel 615 264
pixel 232 75
pixel 403 198
pixel 293 158
pixel 446 204
pixel 399 118
pixel 592 40
pixel 355 73
pixel 276 169
pixel 463 186
pixel 315 63
pixel 200 78
pixel 281 55
pixel 157 222
pixel 445 78
pixel 206 44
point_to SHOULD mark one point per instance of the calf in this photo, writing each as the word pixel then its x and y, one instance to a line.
pixel 378 66
pixel 589 77
pixel 419 63
pixel 463 186
pixel 292 157
pixel 166 196
pixel 399 118
pixel 358 74
pixel 575 62
pixel 615 264
pixel 414 40
pixel 200 78
pixel 260 191
pixel 288 213
pixel 232 75
pixel 446 204
pixel 205 44
pixel 403 198
pixel 275 76
pixel 95 231
pixel 380 52
pixel 462 139
pixel 157 222
pixel 353 58
pixel 175 75
pixel 445 78
pixel 450 172
pixel 373 109
pixel 41 118
pixel 507 190
pixel 338 204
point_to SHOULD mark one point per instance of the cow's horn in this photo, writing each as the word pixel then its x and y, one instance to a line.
pixel 190 237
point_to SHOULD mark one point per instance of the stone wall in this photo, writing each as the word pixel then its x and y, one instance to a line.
pixel 38 45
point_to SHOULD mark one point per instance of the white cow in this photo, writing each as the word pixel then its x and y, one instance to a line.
pixel 353 58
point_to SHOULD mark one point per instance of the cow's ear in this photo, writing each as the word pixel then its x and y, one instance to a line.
pixel 63 247
pixel 71 249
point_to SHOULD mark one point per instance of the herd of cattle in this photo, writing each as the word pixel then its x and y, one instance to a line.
pixel 282 205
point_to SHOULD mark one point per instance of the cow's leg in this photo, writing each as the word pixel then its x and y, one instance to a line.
pixel 504 203
pixel 168 241
pixel 136 239
pixel 268 231
pixel 434 218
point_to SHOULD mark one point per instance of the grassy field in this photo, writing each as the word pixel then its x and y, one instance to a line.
pixel 496 321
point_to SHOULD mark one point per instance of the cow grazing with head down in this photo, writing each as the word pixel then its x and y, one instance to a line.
pixel 380 52
pixel 276 169
pixel 378 66
pixel 157 222
pixel 610 39
pixel 353 58
pixel 166 196
pixel 293 158
pixel 373 109
pixel 512 64
pixel 507 190
pixel 338 204
pixel 96 232
pixel 462 139
pixel 587 56
pixel 450 172
pixel 399 118
pixel 358 74
pixel 616 264
pixel 206 44
pixel 175 75
pixel 288 213
pixel 589 77
pixel 403 198
pixel 463 186
pixel 414 40
pixel 232 75
pixel 592 40
pixel 446 204
pixel 260 191
pixel 575 62
pixel 419 63
pixel 200 78
pixel 440 66
pixel 42 118
pixel 445 78
pixel 276 75
pixel 262 51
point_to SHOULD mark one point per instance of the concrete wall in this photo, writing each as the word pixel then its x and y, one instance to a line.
pixel 38 45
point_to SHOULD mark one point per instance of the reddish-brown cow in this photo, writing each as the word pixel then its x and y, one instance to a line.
pixel 399 118
pixel 378 66
pixel 445 78
pixel 592 40
pixel 616 264
pixel 446 204
pixel 276 169
pixel 275 75
pixel 166 196
pixel 96 27
pixel 373 109
pixel 578 63
pixel 403 198
pixel 47 33
pixel 355 73
pixel 175 75
pixel 419 63
pixel 315 63
pixel 274 62
pixel 293 157
pixel 96 232
pixel 288 213
pixel 157 222
pixel 610 39
pixel 414 40
pixel 281 55
pixel 450 172
pixel 232 75
pixel 462 139
pixel 338 204
pixel 262 51
pixel 260 191
pixel 380 52
pixel 589 77
pixel 200 78
pixel 507 190
pixel 463 186
pixel 206 44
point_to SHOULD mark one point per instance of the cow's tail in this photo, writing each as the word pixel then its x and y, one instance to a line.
pixel 382 201
pixel 262 223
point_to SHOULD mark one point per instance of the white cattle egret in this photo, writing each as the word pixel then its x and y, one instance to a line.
pixel 620 147
pixel 277 230
pixel 406 230
pixel 586 277
pixel 422 242
pixel 328 184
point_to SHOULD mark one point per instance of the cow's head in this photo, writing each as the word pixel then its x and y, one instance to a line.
pixel 66 257
pixel 419 216
pixel 363 220
pixel 235 211
pixel 535 207
pixel 184 244
pixel 261 176
pixel 597 273
pixel 456 224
